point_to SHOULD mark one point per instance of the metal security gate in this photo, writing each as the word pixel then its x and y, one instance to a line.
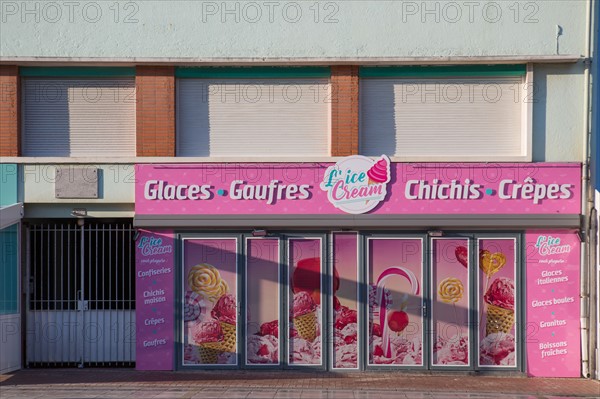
pixel 81 295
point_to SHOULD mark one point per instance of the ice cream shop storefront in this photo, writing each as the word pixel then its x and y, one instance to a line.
pixel 358 265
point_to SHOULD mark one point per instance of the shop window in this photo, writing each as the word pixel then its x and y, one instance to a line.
pixel 467 113
pixel 253 112
pixel 88 113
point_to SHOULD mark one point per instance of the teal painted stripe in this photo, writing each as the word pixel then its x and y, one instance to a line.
pixel 8 184
pixel 252 72
pixel 416 71
pixel 77 72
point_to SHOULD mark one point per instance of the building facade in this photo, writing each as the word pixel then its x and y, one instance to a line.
pixel 331 185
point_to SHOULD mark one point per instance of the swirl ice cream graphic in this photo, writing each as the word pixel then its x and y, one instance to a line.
pixel 213 332
pixel 357 184
pixel 206 280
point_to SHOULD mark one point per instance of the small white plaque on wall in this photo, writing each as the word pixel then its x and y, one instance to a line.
pixel 75 182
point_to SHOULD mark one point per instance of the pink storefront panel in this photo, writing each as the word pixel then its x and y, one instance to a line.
pixel 348 187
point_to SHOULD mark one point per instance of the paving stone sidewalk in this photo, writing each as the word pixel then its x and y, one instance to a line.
pixel 128 383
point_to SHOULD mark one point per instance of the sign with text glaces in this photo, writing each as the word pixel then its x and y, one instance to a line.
pixel 357 184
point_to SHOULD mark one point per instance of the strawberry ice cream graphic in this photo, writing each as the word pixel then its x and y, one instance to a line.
pixel 357 184
pixel 344 317
pixel 497 349
pixel 225 310
pixel 207 332
pixel 454 351
pixel 304 316
pixel 263 349
pixel 500 301
pixel 302 352
pixel 270 328
pixel 501 293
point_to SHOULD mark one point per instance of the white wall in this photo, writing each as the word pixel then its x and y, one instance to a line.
pixel 341 28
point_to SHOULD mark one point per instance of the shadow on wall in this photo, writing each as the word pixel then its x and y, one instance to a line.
pixel 557 119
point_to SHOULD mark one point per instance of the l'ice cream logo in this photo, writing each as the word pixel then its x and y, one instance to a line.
pixel 153 246
pixel 357 184
pixel 548 245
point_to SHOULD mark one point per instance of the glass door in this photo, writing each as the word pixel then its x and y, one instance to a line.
pixel 498 291
pixel 264 277
pixel 306 295
pixel 210 303
pixel 450 272
pixel 396 306
pixel 475 296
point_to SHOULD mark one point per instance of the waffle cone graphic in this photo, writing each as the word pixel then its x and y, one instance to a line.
pixel 229 341
pixel 208 354
pixel 306 325
pixel 499 320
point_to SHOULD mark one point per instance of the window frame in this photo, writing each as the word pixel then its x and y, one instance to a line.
pixel 464 71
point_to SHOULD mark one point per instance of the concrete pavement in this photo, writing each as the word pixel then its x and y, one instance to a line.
pixel 128 383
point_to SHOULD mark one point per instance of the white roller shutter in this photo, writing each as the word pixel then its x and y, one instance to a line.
pixel 79 117
pixel 252 117
pixel 443 119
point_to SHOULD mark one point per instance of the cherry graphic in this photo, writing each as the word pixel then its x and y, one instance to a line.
pixel 462 255
pixel 397 320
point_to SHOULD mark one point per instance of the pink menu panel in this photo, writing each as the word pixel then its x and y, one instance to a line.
pixel 154 314
pixel 552 334
pixel 414 188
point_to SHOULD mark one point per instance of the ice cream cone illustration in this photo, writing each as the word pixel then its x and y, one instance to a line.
pixel 306 325
pixel 500 300
pixel 206 280
pixel 225 311
pixel 304 315
pixel 229 337
pixel 208 355
pixel 208 336
pixel 379 173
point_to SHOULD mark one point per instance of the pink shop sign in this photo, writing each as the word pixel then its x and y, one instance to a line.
pixel 553 311
pixel 155 271
pixel 348 187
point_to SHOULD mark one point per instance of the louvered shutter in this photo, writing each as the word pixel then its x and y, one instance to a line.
pixel 252 117
pixel 79 117
pixel 443 118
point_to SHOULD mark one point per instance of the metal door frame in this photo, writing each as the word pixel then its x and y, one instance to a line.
pixel 78 306
pixel 474 328
pixel 425 300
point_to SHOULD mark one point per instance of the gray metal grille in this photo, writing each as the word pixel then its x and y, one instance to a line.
pixel 81 295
